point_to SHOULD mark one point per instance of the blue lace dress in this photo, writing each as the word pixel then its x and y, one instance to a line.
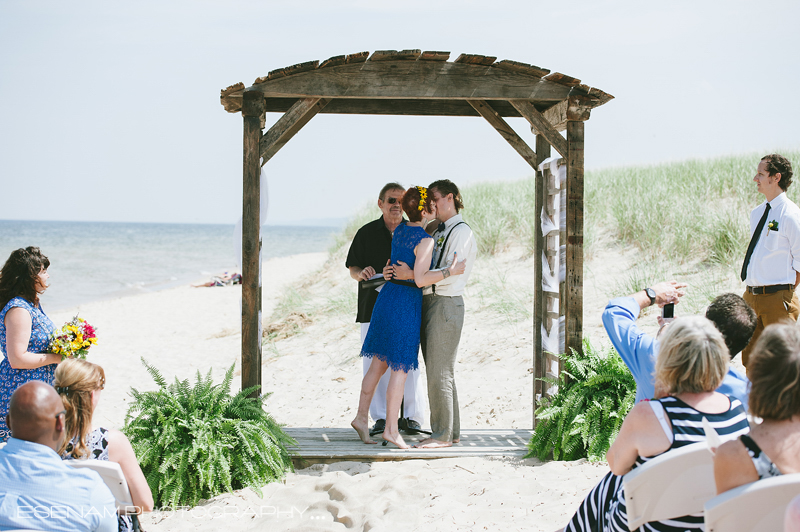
pixel 393 334
pixel 10 378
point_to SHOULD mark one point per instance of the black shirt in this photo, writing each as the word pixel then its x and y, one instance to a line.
pixel 372 246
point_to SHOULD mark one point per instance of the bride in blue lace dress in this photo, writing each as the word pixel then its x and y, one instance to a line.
pixel 24 327
pixel 393 337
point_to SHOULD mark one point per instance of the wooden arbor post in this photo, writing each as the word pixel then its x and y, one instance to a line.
pixel 253 109
pixel 577 112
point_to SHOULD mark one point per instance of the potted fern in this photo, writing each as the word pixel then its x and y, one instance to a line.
pixel 595 393
pixel 195 442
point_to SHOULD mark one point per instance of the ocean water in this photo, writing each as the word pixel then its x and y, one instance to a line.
pixel 91 261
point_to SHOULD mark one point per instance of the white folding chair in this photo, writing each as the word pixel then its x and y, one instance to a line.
pixel 111 473
pixel 756 507
pixel 672 485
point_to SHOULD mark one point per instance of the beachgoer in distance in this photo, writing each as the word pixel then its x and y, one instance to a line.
pixel 773 446
pixel 728 312
pixel 394 334
pixel 771 268
pixel 691 364
pixel 39 490
pixel 443 312
pixel 369 253
pixel 80 383
pixel 24 327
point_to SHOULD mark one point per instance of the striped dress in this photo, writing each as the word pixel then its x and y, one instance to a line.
pixel 604 508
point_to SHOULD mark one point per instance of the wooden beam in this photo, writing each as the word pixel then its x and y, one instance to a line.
pixel 556 116
pixel 414 79
pixel 502 127
pixel 252 111
pixel 573 333
pixel 539 359
pixel 397 107
pixel 288 125
pixel 541 126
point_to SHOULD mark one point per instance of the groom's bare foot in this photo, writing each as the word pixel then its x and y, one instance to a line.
pixel 430 443
pixel 362 427
pixel 457 440
pixel 395 439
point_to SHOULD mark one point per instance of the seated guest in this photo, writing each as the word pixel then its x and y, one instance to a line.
pixel 773 447
pixel 79 382
pixel 37 490
pixel 729 313
pixel 691 364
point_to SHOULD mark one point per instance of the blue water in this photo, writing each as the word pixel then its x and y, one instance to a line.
pixel 91 261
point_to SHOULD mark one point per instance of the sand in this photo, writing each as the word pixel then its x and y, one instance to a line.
pixel 314 378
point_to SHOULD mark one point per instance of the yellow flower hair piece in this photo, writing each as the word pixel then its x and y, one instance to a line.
pixel 423 197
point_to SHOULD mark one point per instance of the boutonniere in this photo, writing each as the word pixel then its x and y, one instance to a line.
pixel 440 242
pixel 773 225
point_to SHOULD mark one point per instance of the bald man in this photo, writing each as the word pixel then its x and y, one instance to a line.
pixel 38 490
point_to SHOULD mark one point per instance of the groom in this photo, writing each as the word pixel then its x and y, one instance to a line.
pixel 443 312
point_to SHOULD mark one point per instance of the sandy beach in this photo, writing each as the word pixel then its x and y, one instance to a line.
pixel 314 378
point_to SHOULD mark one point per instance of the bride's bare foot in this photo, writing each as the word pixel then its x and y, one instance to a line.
pixel 430 443
pixel 395 439
pixel 362 427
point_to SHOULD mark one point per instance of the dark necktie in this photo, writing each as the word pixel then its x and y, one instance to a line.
pixel 441 227
pixel 753 241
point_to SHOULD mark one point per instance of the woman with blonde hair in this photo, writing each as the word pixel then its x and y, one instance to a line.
pixel 79 383
pixel 773 446
pixel 691 363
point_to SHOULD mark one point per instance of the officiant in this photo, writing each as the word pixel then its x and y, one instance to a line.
pixel 368 255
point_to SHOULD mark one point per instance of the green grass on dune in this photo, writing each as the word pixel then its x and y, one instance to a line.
pixel 685 220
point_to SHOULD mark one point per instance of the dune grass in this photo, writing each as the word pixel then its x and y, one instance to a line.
pixel 686 220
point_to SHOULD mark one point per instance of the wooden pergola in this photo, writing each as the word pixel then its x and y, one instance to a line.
pixel 413 82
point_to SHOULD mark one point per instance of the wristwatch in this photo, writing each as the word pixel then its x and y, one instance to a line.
pixel 651 294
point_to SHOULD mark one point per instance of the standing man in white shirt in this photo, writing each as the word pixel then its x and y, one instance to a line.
pixel 771 267
pixel 443 312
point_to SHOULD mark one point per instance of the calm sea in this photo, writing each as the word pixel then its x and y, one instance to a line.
pixel 91 261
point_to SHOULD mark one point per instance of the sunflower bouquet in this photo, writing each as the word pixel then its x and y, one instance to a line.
pixel 73 339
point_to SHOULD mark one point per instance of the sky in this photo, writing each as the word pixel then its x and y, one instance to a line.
pixel 109 110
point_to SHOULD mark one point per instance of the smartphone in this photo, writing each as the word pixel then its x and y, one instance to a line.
pixel 668 312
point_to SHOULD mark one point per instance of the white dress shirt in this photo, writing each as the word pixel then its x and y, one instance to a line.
pixel 776 256
pixel 461 242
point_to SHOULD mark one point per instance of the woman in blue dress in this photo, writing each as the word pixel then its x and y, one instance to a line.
pixel 24 328
pixel 393 337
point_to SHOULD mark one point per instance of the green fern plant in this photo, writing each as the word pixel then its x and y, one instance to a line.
pixel 595 393
pixel 195 442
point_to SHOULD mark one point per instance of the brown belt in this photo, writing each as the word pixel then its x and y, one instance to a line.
pixel 771 289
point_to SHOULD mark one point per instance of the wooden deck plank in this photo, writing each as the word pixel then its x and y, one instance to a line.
pixel 318 445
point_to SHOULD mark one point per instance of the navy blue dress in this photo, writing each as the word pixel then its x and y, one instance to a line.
pixel 393 334
pixel 11 379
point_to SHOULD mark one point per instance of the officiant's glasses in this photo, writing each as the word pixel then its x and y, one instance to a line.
pixel 392 201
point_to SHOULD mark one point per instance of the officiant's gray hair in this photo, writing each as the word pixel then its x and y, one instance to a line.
pixel 390 186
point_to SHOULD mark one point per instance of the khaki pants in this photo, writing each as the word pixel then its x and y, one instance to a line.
pixel 770 308
pixel 442 320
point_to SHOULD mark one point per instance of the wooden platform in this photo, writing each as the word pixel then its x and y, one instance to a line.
pixel 324 446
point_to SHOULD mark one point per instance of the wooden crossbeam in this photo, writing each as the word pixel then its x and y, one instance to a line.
pixel 288 125
pixel 502 127
pixel 541 125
